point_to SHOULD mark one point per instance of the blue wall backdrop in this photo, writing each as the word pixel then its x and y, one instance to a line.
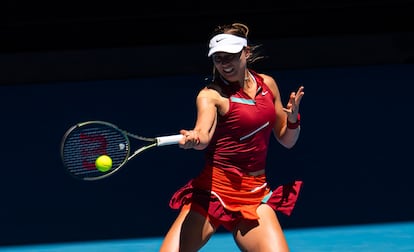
pixel 354 154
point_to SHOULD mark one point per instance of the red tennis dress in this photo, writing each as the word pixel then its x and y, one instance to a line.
pixel 224 191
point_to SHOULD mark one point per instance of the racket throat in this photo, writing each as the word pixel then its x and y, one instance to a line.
pixel 141 150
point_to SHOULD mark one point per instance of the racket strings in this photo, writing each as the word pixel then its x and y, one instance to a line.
pixel 83 145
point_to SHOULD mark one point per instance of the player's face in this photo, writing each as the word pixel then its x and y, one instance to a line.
pixel 230 65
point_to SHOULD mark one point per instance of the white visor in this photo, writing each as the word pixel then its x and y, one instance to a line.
pixel 226 43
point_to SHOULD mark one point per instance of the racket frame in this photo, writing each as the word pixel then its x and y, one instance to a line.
pixel 152 142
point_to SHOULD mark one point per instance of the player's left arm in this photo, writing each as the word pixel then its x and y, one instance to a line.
pixel 285 136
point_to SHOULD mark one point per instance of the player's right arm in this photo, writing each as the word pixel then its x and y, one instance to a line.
pixel 207 103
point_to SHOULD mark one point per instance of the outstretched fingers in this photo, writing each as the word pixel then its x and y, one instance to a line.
pixel 295 98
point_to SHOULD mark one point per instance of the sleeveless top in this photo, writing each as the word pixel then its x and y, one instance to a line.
pixel 241 139
pixel 224 191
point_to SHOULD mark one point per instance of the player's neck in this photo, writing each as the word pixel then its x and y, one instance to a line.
pixel 249 81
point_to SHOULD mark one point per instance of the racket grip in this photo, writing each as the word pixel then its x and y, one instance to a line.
pixel 168 140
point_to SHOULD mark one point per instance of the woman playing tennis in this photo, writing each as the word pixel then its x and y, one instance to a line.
pixel 236 115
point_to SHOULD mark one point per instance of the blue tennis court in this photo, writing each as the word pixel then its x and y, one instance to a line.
pixel 388 237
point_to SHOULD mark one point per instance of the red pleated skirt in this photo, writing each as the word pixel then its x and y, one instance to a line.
pixel 225 197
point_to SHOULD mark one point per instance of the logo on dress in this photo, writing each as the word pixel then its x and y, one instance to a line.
pixel 264 92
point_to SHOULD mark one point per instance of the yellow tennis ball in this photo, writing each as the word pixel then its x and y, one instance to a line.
pixel 103 163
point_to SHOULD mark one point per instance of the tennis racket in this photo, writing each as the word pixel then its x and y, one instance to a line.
pixel 84 142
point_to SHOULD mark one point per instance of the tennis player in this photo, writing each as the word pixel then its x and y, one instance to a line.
pixel 236 115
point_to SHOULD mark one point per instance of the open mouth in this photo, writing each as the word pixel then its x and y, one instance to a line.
pixel 228 70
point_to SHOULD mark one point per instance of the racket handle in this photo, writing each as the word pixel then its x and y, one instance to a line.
pixel 168 140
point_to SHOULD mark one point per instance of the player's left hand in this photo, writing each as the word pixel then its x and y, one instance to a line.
pixel 292 107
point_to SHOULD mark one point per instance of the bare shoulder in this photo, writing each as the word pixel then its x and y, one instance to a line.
pixel 211 97
pixel 209 93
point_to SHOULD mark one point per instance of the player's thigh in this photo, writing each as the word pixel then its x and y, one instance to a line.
pixel 196 230
pixel 189 232
pixel 262 235
pixel 171 240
